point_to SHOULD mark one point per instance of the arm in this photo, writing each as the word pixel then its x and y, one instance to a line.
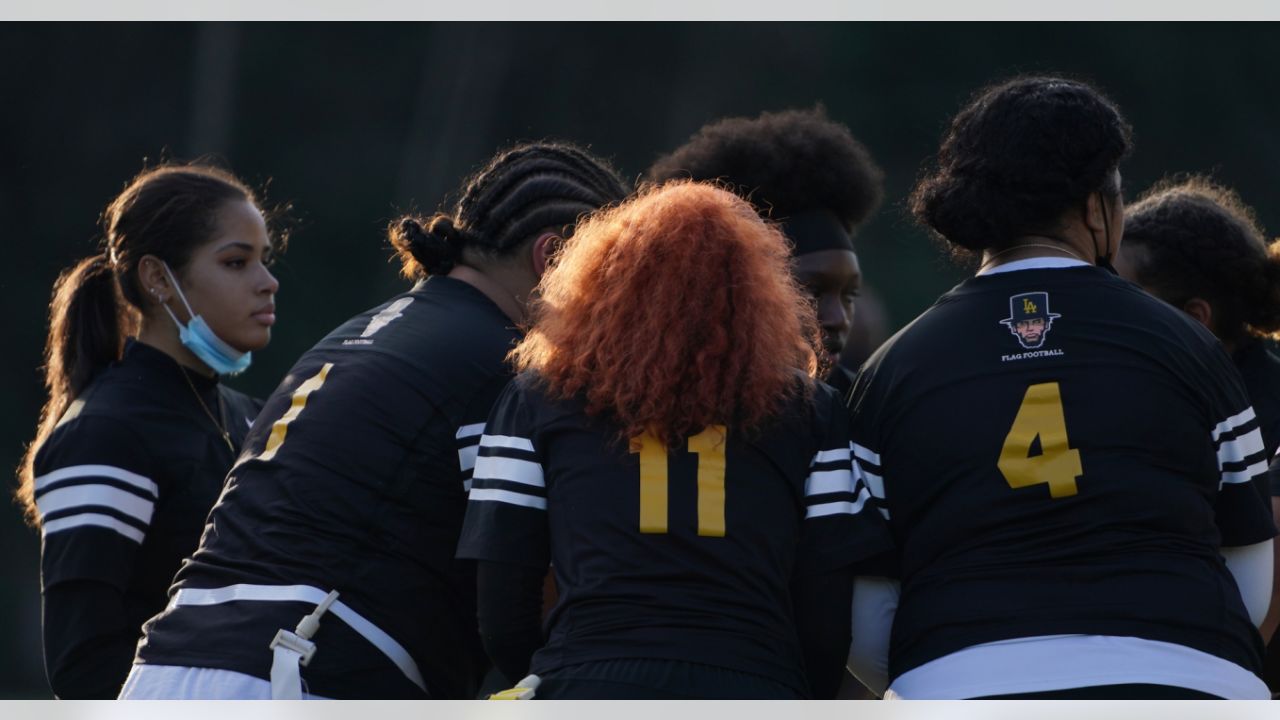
pixel 88 645
pixel 96 498
pixel 875 601
pixel 1251 566
pixel 821 603
pixel 509 601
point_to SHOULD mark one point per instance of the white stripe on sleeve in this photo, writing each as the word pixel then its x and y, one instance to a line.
pixel 866 454
pixel 467 457
pixel 829 481
pixel 525 472
pixel 1233 422
pixel 93 519
pixel 1245 475
pixel 506 496
pixel 1238 449
pixel 506 441
pixel 839 507
pixel 106 471
pixel 103 495
pixel 830 456
pixel 469 430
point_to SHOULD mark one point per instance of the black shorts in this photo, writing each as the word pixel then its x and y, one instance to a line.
pixel 1131 691
pixel 645 679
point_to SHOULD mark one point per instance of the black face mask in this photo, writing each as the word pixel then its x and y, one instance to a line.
pixel 1101 259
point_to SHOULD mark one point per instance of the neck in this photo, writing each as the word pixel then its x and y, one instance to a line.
pixel 161 334
pixel 504 288
pixel 1033 246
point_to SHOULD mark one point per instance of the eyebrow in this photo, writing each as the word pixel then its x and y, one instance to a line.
pixel 236 244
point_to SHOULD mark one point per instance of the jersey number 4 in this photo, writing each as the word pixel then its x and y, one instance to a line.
pixel 1040 418
pixel 709 446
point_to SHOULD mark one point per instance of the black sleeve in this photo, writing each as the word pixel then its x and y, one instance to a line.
pixel 841 526
pixel 823 618
pixel 1242 507
pixel 506 519
pixel 88 645
pixel 509 603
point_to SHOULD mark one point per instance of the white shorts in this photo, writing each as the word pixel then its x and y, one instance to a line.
pixel 174 682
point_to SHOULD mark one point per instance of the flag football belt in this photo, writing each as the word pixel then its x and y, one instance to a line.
pixel 294 649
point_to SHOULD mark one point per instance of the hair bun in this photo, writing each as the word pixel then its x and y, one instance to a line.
pixel 428 247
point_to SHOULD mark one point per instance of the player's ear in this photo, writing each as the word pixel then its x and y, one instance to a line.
pixel 544 249
pixel 1095 211
pixel 1201 310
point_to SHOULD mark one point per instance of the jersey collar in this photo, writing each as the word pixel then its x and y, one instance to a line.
pixel 1035 263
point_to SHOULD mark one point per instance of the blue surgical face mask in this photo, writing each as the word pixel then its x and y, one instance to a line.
pixel 200 339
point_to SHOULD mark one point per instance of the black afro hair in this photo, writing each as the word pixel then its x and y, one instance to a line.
pixel 784 162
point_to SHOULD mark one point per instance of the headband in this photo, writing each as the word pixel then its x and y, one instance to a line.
pixel 815 230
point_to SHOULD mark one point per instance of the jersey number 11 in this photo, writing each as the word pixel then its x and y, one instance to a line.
pixel 708 445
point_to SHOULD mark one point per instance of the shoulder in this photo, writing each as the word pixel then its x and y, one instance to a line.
pixel 97 438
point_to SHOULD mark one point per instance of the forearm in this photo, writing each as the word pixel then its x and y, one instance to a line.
pixel 88 643
pixel 509 603
pixel 821 603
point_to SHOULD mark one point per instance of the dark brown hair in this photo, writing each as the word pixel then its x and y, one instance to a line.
pixel 167 212
pixel 1199 239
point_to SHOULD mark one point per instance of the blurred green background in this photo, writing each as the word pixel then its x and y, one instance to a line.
pixel 356 122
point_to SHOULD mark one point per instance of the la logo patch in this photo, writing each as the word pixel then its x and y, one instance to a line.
pixel 1029 318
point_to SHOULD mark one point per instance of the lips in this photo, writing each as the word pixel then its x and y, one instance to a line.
pixel 266 316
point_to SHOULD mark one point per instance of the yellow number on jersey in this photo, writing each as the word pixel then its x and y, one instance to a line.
pixel 299 401
pixel 709 446
pixel 1057 465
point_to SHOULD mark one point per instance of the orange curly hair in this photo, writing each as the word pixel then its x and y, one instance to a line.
pixel 673 311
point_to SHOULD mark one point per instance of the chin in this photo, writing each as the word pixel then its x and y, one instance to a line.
pixel 251 341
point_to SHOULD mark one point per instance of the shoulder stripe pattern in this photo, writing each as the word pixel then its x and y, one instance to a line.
pixel 507 471
pixel 866 467
pixel 831 487
pixel 101 496
pixel 1241 453
pixel 468 437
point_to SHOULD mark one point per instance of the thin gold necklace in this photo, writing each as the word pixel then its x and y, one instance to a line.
pixel 226 437
pixel 1006 251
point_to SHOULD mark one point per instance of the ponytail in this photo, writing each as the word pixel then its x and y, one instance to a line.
pixel 87 325
pixel 426 247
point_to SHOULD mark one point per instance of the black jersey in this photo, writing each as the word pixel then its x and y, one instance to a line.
pixel 354 480
pixel 682 555
pixel 1259 366
pixel 1060 453
pixel 123 486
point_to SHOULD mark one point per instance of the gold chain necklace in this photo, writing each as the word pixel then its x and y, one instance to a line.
pixel 226 437
pixel 1029 245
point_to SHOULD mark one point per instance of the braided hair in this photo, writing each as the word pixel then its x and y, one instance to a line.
pixel 1198 239
pixel 519 193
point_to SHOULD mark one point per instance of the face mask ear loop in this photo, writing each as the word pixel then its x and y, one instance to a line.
pixel 181 296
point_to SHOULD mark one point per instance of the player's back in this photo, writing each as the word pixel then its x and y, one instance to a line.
pixel 354 479
pixel 683 554
pixel 1052 445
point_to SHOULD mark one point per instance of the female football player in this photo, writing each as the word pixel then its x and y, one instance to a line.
pixel 138 433
pixel 811 175
pixel 1066 462
pixel 1198 247
pixel 329 558
pixel 667 450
